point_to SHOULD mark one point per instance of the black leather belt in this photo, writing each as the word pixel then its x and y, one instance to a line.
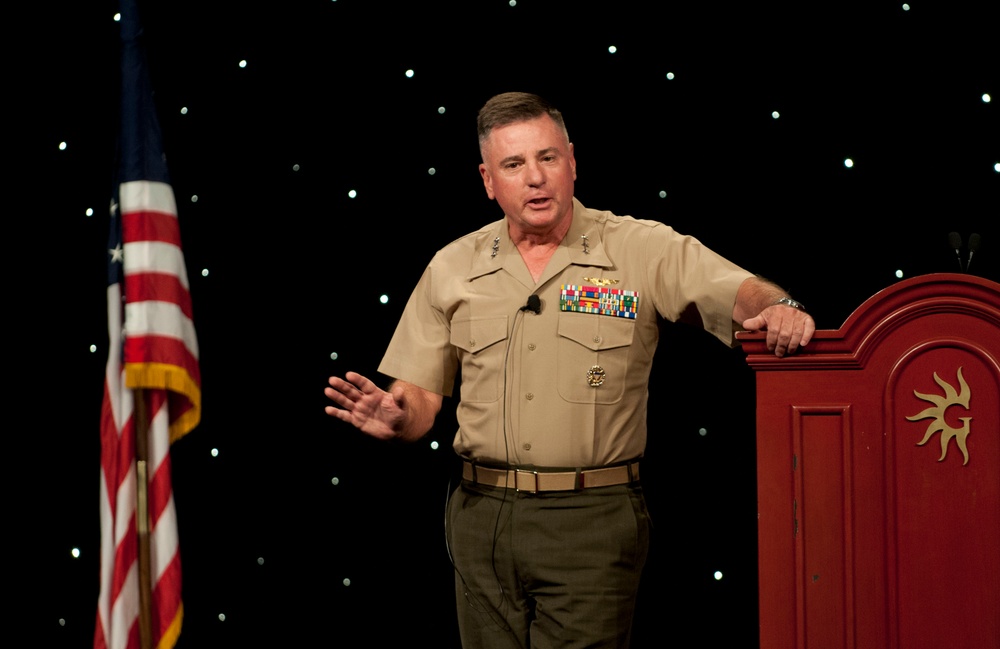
pixel 538 480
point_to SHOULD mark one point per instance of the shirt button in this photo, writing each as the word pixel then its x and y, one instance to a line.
pixel 531 347
pixel 527 447
pixel 597 339
pixel 472 342
pixel 529 396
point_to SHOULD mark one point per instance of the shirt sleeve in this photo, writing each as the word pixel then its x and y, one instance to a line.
pixel 693 283
pixel 420 351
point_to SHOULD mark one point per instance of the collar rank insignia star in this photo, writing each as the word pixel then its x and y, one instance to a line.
pixel 602 281
pixel 496 247
pixel 586 244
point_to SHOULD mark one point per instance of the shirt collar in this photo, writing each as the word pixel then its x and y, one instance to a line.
pixel 581 246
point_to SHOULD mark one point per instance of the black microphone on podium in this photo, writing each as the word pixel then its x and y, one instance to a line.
pixel 955 241
pixel 534 304
pixel 973 247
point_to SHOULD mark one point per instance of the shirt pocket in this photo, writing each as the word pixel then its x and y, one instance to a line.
pixel 481 352
pixel 593 357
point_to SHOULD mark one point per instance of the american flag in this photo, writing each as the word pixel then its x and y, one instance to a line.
pixel 152 390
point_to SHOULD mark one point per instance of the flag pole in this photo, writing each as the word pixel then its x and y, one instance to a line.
pixel 142 517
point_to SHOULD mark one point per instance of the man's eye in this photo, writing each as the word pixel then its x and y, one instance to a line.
pixel 548 158
pixel 512 165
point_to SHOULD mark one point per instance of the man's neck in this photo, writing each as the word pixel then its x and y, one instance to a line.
pixel 537 248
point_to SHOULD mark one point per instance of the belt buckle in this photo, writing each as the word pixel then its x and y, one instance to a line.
pixel 517 481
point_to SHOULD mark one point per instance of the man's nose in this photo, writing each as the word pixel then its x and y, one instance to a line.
pixel 535 174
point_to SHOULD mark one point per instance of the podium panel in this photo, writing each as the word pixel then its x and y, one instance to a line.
pixel 878 464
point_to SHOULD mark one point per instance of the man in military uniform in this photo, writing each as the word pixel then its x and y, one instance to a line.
pixel 551 316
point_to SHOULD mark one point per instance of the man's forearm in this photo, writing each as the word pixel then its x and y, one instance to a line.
pixel 754 295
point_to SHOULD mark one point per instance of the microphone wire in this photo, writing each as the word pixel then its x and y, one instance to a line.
pixel 535 307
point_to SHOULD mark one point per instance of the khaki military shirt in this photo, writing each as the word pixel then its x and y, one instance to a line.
pixel 567 386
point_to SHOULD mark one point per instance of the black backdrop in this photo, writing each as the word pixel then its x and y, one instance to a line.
pixel 294 528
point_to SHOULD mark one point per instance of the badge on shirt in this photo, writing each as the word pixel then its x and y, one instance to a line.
pixel 602 281
pixel 601 300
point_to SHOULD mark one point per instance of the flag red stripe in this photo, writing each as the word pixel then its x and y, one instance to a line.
pixel 126 554
pixel 167 614
pixel 150 225
pixel 160 491
pixel 162 287
pixel 100 640
pixel 109 449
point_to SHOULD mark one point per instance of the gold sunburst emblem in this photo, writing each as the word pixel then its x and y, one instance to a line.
pixel 939 425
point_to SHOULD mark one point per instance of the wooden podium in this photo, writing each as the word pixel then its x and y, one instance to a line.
pixel 878 474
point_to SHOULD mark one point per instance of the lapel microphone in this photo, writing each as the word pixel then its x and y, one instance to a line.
pixel 534 304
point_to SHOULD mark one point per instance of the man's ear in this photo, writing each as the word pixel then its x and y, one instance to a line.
pixel 487 181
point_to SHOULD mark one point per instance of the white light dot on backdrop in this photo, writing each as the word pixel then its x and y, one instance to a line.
pixel 384 299
pixel 62 146
pixel 347 581
pixel 243 63
pixel 75 553
pixel 184 110
pixel 409 74
pixel 62 621
pixel 670 75
pixel 434 445
pixel 214 452
pixel 335 481
pixel 90 211
pixel 222 617
pixel 431 171
pixel 93 348
pixel 899 274
pixel 440 110
pixel 194 198
pixel 612 49
pixel 118 18
pixel 718 575
pixel 663 194
pixel 204 272
pixel 703 432
pixel 848 163
pixel 260 561
pixel 352 194
pixel 295 167
pixel 906 7
pixel 512 3
pixel 334 356
pixel 986 97
pixel 775 114
pixel 996 167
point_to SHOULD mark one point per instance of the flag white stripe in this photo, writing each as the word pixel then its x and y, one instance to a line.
pixel 125 506
pixel 165 541
pixel 155 257
pixel 125 609
pixel 143 195
pixel 159 437
pixel 160 319
pixel 112 372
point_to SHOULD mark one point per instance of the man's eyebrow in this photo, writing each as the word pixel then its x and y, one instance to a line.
pixel 512 158
pixel 548 150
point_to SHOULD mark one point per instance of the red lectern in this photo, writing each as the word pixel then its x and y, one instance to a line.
pixel 878 474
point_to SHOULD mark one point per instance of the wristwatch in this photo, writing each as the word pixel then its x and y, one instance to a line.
pixel 787 301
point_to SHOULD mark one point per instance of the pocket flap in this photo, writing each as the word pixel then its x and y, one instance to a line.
pixel 476 334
